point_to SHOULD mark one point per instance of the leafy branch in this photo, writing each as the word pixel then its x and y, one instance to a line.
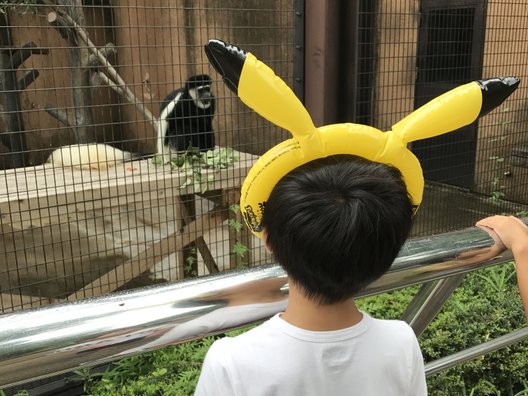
pixel 239 250
pixel 193 162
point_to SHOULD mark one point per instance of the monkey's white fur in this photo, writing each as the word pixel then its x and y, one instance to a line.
pixel 89 156
pixel 163 125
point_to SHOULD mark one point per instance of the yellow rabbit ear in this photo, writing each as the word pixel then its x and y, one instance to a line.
pixel 259 88
pixel 456 108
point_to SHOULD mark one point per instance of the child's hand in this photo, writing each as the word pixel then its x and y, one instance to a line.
pixel 512 231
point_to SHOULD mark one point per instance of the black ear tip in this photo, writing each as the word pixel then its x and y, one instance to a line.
pixel 213 47
pixel 215 42
pixel 495 91
pixel 227 60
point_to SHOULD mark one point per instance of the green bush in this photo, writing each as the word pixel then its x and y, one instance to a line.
pixel 171 371
pixel 484 307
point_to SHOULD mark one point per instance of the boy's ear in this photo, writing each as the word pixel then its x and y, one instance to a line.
pixel 265 239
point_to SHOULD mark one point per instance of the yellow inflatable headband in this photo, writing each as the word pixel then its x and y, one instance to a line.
pixel 259 88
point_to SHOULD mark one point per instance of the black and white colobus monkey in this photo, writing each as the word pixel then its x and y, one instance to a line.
pixel 186 117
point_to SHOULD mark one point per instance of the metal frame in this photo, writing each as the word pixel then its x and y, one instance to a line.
pixel 55 339
pixel 298 56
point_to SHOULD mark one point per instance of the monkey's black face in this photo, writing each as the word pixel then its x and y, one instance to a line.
pixel 202 96
pixel 186 116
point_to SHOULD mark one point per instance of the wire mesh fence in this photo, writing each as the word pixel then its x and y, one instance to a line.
pixel 410 52
pixel 118 72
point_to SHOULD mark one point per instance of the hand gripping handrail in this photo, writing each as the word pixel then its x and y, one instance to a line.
pixel 54 339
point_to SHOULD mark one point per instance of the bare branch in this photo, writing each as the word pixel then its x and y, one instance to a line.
pixel 108 51
pixel 62 115
pixel 60 25
pixel 104 78
pixel 129 95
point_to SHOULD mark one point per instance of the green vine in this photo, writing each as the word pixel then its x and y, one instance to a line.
pixel 497 188
pixel 238 249
pixel 497 195
pixel 190 261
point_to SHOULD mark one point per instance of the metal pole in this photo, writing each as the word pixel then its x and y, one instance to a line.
pixel 50 340
pixel 298 55
pixel 428 302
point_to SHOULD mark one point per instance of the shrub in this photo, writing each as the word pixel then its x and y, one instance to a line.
pixel 486 306
pixel 171 371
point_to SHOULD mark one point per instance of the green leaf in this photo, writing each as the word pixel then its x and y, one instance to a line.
pixel 159 372
pixel 157 160
pixel 234 225
pixel 241 264
pixel 190 260
pixel 239 249
pixel 496 158
pixel 178 161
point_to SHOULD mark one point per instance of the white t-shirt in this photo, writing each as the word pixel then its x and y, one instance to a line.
pixel 374 357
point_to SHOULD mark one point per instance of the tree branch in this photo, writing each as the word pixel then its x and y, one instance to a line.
pixel 107 51
pixel 62 115
pixel 127 93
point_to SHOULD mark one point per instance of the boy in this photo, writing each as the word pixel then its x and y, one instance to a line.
pixel 514 234
pixel 335 225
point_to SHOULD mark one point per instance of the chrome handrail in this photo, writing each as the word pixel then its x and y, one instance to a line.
pixel 54 339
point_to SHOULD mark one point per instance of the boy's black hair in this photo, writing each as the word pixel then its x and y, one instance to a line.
pixel 337 223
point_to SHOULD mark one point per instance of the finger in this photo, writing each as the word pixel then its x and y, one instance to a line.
pixel 488 221
pixel 519 221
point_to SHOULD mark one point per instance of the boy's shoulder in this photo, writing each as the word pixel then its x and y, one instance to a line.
pixel 391 325
pixel 276 331
pixel 261 332
pixel 242 347
pixel 391 330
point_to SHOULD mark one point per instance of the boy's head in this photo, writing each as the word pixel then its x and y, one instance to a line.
pixel 336 224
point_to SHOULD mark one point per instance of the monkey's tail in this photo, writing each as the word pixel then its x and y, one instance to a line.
pixel 92 156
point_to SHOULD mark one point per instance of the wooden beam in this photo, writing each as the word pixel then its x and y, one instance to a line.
pixel 149 257
pixel 13 302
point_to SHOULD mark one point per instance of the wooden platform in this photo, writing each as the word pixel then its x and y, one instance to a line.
pixel 69 233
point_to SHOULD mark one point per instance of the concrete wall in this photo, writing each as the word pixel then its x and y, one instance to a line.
pixel 159 45
pixel 53 86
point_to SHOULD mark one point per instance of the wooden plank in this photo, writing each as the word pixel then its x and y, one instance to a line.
pixel 13 302
pixel 149 257
pixel 45 180
pixel 41 195
pixel 35 198
pixel 207 256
